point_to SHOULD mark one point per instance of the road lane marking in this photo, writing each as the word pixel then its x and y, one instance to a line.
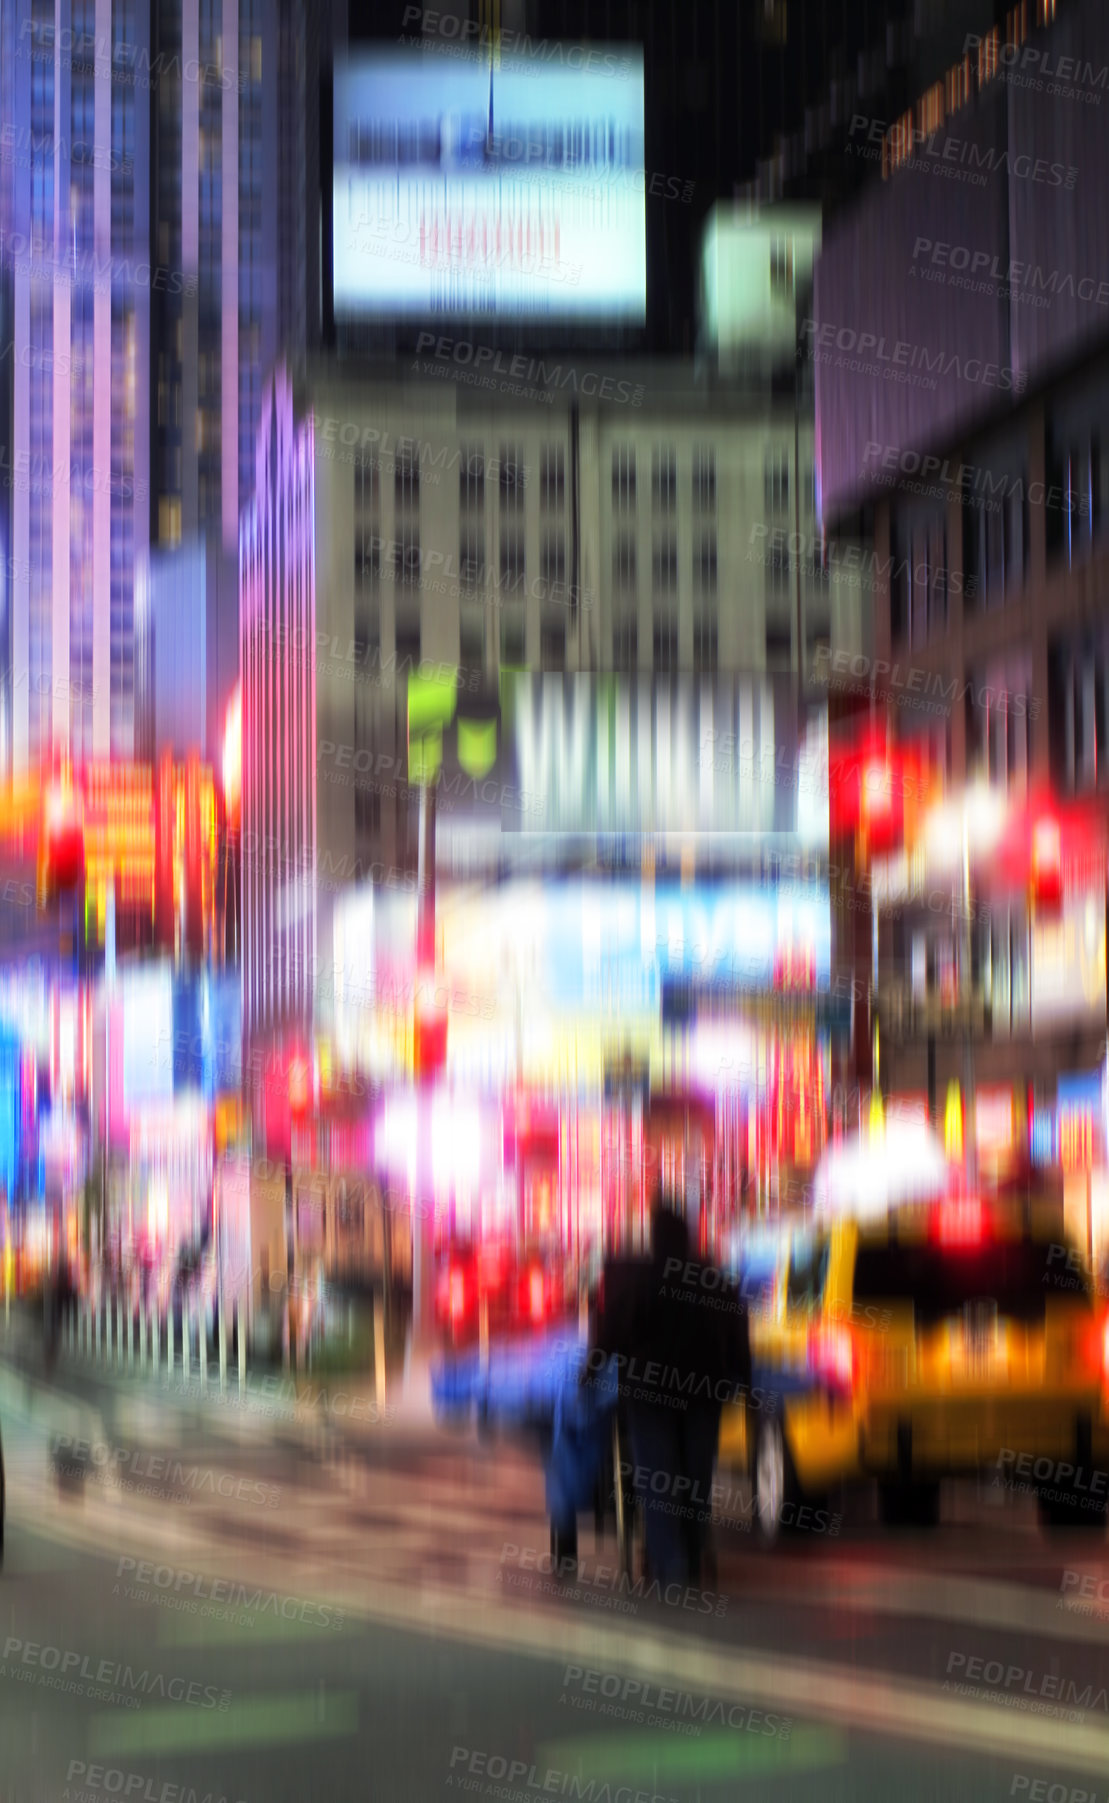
pixel 656 1757
pixel 197 1630
pixel 262 1721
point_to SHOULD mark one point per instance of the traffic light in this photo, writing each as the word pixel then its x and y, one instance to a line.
pixel 62 857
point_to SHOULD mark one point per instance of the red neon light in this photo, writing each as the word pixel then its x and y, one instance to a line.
pixel 457 1295
pixel 961 1222
pixel 536 1300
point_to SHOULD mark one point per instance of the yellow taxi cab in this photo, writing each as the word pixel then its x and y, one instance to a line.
pixel 934 1341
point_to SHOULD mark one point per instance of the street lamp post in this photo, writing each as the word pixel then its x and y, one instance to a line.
pixel 948 834
pixel 970 1136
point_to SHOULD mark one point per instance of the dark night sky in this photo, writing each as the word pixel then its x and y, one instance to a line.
pixel 719 90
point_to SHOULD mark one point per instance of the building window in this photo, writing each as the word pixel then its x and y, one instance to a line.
pixel 513 641
pixel 1078 490
pixel 1078 711
pixel 666 642
pixel 918 579
pixel 552 562
pixel 365 483
pixel 624 562
pixel 367 636
pixel 513 570
pixel 705 642
pixel 781 267
pixel 777 572
pixel 408 643
pixel 776 482
pixel 704 567
pixel 664 565
pixel 471 477
pixel 625 641
pixel 623 477
pixel 471 557
pixel 472 638
pixel 664 478
pixel 407 478
pixel 995 542
pixel 367 560
pixel 552 476
pixel 513 476
pixel 779 647
pixel 704 479
pixel 367 807
pixel 773 22
pixel 552 644
pixel 169 520
pixel 997 721
pixel 406 567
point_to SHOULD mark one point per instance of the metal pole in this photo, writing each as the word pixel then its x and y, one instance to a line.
pixel 423 1214
pixel 970 1148
pixel 800 654
pixel 379 1349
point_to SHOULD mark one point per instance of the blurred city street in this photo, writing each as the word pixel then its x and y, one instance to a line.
pixel 554 901
pixel 858 1642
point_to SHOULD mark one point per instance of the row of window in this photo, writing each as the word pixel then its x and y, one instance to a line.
pixel 664 564
pixel 625 639
pixel 511 475
pixel 473 570
pixel 996 533
pixel 1000 707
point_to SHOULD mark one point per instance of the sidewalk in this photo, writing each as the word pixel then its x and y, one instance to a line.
pixel 341 1402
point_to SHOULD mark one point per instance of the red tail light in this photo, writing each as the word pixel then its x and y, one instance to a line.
pixel 492 1267
pixel 537 1298
pixel 458 1297
pixel 834 1357
pixel 960 1222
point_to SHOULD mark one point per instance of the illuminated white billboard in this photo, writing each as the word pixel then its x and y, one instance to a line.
pixel 1068 963
pixel 514 191
pixel 147 1021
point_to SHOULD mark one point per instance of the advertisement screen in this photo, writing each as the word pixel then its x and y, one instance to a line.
pixel 512 191
pixel 1068 964
pixel 611 946
pixel 147 1019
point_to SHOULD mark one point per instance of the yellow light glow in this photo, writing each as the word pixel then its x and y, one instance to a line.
pixel 953 1123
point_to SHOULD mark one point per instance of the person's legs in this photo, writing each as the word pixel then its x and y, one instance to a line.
pixel 699 1440
pixel 656 1454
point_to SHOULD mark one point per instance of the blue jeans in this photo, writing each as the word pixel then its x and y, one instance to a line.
pixel 667 1444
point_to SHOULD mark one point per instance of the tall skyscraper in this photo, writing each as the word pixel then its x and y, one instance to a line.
pixel 158 186
pixel 76 256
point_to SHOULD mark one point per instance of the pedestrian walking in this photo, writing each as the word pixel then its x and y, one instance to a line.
pixel 679 1334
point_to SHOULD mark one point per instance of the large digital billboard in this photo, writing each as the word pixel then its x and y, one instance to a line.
pixel 513 191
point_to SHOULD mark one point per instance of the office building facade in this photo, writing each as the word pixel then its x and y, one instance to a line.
pixel 979 479
pixel 142 215
pixel 639 521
